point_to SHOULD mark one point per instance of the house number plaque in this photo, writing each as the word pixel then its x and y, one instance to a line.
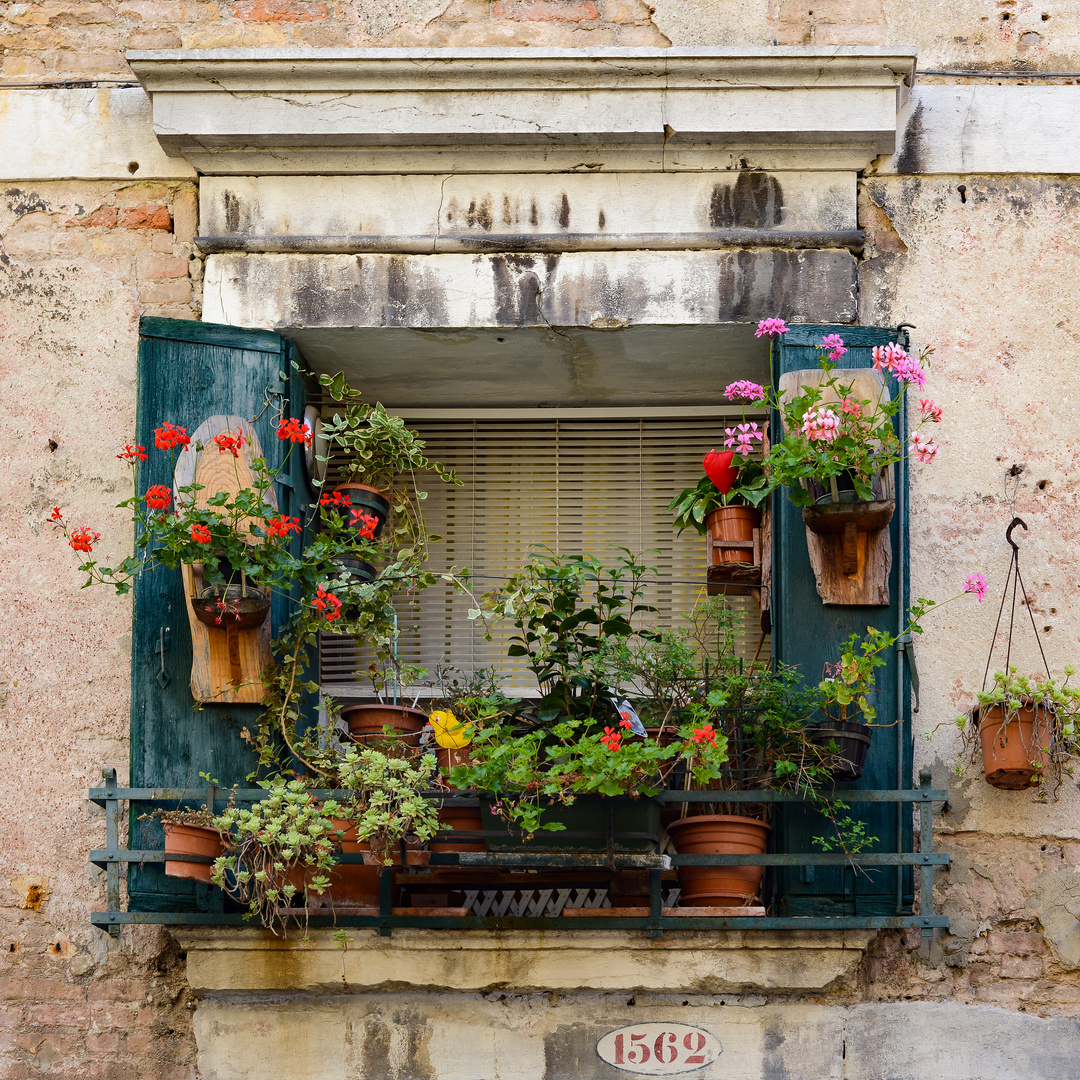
pixel 658 1049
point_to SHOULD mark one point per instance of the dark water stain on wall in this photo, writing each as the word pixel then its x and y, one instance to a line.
pixel 909 159
pixel 564 212
pixel 518 288
pixel 232 211
pixel 480 214
pixel 755 201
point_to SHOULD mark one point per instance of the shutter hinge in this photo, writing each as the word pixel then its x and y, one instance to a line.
pixel 905 645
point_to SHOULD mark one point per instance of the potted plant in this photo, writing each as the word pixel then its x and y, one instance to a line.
pixel 838 440
pixel 190 832
pixel 379 456
pixel 570 763
pixel 387 715
pixel 279 848
pixel 724 504
pixel 1025 727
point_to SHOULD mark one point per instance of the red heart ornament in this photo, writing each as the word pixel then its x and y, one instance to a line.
pixel 719 470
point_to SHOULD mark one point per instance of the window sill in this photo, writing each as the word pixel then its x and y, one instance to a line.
pixel 477 961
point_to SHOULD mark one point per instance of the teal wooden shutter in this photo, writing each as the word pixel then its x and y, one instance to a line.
pixel 806 634
pixel 188 371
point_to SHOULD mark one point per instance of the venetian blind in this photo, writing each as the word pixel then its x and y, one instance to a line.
pixel 580 485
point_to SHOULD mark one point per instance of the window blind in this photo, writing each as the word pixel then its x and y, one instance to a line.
pixel 574 486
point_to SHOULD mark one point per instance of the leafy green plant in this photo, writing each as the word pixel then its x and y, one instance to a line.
pixel 280 847
pixel 387 803
pixel 382 451
pixel 1057 705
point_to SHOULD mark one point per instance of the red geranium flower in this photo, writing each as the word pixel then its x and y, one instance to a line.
pixel 200 534
pixel 282 526
pixel 335 498
pixel 704 734
pixel 158 497
pixel 294 431
pixel 83 539
pixel 167 437
pixel 133 453
pixel 56 515
pixel 229 443
pixel 364 524
pixel 611 738
pixel 327 603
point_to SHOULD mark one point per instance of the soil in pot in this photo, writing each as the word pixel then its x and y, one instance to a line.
pixel 366 722
pixel 635 825
pixel 852 742
pixel 365 500
pixel 231 607
pixel 1014 753
pixel 719 834
pixel 183 839
pixel 732 523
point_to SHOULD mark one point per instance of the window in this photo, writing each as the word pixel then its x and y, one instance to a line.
pixel 577 481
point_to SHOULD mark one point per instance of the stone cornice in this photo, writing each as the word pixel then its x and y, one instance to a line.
pixel 458 110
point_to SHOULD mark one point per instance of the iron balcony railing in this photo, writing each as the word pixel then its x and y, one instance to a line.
pixel 114 856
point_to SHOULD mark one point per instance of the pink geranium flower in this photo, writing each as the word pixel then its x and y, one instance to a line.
pixel 909 370
pixel 976 583
pixel 771 328
pixel 835 345
pixel 923 447
pixel 886 357
pixel 930 411
pixel 744 391
pixel 821 425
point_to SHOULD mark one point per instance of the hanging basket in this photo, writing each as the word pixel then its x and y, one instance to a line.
pixel 733 536
pixel 231 607
pixel 1015 748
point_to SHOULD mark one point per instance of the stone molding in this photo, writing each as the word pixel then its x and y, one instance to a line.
pixel 232 961
pixel 255 112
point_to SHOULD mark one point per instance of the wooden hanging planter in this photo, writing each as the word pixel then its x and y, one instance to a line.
pixel 847 539
pixel 228 658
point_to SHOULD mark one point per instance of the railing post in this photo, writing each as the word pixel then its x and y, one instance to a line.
pixel 926 846
pixel 112 845
pixel 386 899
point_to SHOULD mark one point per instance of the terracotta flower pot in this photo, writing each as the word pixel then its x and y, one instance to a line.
pixel 719 834
pixel 239 612
pixel 1014 753
pixel 366 722
pixel 182 839
pixel 459 818
pixel 732 523
pixel 367 499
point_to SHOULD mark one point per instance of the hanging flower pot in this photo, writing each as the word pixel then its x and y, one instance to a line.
pixel 1015 744
pixel 851 740
pixel 184 839
pixel 732 550
pixel 719 834
pixel 366 722
pixel 231 607
pixel 364 501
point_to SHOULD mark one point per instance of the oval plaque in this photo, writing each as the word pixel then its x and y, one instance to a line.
pixel 658 1049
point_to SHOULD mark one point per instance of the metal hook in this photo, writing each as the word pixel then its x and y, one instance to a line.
pixel 1008 532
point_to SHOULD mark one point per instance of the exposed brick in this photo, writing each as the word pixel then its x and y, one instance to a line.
pixel 20 989
pixel 1015 942
pixel 157 38
pixel 161 266
pixel 185 217
pixel 100 217
pixel 111 990
pixel 830 11
pixel 52 1015
pixel 10 1016
pixel 546 11
pixel 161 242
pixel 1020 967
pixel 147 216
pixel 171 291
pixel 19 67
pixel 280 11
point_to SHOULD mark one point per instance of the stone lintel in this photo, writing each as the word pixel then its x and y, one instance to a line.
pixel 600 289
pixel 221 108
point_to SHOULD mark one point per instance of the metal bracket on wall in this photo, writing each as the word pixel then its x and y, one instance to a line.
pixel 163 678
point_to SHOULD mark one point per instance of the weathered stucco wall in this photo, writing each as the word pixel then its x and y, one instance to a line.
pixel 988 276
pixel 79 39
pixel 79 264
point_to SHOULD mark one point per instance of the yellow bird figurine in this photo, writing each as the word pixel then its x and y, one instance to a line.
pixel 450 733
